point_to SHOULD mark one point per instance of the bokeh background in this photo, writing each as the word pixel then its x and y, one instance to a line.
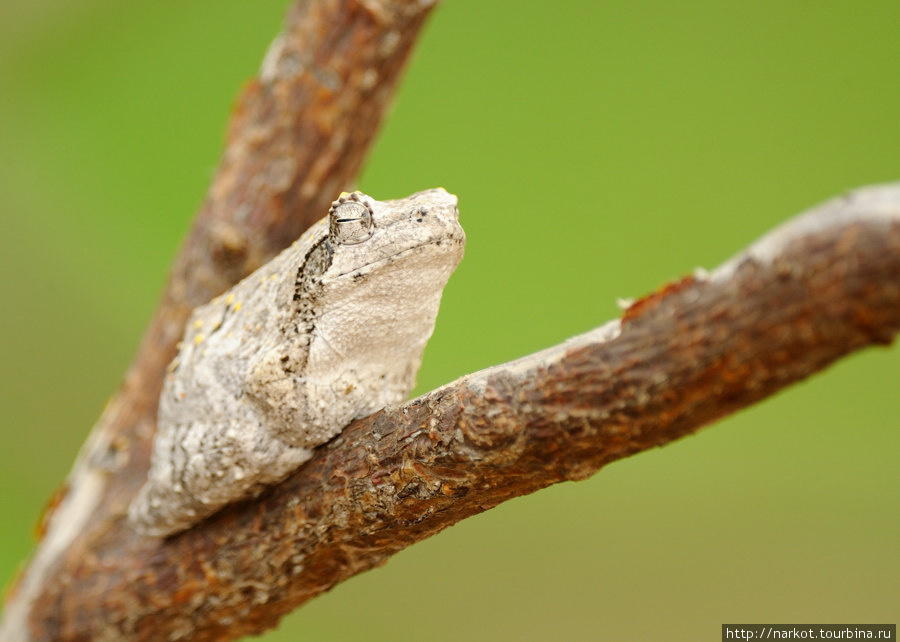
pixel 599 149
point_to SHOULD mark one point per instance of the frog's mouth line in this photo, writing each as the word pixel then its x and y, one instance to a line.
pixel 451 241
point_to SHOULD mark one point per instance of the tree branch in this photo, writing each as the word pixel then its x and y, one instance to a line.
pixel 297 137
pixel 819 287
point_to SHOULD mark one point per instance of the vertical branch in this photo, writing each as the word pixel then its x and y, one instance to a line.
pixel 298 136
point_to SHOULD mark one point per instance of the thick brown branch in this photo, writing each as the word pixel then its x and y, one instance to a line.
pixel 814 290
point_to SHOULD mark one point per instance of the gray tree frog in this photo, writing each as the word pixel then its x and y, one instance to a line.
pixel 330 330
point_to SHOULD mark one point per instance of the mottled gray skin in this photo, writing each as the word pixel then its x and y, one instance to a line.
pixel 330 330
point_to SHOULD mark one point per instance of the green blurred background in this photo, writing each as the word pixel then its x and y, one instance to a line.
pixel 598 150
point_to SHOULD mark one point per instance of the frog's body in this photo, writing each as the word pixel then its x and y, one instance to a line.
pixel 330 330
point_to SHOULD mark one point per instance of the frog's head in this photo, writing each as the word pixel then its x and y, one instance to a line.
pixel 364 305
pixel 389 263
pixel 367 235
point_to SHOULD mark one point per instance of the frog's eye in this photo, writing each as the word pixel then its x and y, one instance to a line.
pixel 350 221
